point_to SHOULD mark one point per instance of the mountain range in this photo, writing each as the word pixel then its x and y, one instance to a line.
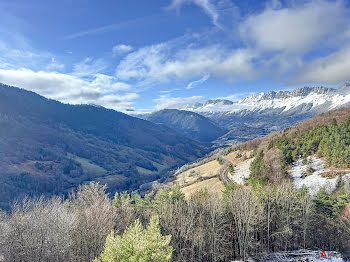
pixel 260 114
pixel 47 147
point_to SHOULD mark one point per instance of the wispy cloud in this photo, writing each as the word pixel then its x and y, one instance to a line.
pixel 111 27
pixel 206 5
pixel 54 65
pixel 198 82
pixel 236 96
pixel 164 102
pixel 98 30
pixel 12 56
pixel 121 49
pixel 89 66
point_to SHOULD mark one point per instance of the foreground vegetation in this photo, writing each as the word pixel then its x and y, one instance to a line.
pixel 164 226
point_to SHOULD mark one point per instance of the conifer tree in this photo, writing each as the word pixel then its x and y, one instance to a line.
pixel 138 244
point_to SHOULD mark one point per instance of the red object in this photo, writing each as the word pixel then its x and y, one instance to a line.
pixel 323 254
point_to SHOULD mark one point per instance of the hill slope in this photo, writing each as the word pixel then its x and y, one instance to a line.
pixel 49 147
pixel 188 123
pixel 278 157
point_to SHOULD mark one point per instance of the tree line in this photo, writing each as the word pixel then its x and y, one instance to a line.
pixel 331 141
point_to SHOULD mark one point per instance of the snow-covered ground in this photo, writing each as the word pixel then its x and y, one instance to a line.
pixel 299 256
pixel 314 181
pixel 242 172
pixel 302 255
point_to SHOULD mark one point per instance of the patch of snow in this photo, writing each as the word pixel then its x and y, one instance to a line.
pixel 241 172
pixel 314 182
pixel 302 255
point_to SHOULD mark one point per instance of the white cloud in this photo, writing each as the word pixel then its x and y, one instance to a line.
pixel 121 49
pixel 206 5
pixel 164 62
pixel 89 66
pixel 276 43
pixel 332 69
pixel 296 28
pixel 109 84
pixel 54 65
pixel 10 56
pixel 70 88
pixel 164 102
pixel 236 96
pixel 198 82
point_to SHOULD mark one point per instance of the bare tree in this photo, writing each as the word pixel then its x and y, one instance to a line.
pixel 95 220
pixel 38 230
pixel 215 224
pixel 244 209
pixel 306 213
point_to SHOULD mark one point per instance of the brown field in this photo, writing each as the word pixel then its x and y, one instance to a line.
pixel 206 176
pixel 204 171
pixel 213 185
pixel 234 157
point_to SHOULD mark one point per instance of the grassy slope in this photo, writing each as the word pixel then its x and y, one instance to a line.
pixel 207 175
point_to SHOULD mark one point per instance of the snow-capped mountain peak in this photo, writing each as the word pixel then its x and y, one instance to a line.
pixel 299 92
pixel 218 101
pixel 318 99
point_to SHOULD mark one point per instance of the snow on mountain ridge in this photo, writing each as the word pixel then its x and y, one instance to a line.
pixel 328 98
pixel 217 101
pixel 299 92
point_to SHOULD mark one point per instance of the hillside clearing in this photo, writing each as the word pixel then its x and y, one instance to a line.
pixel 201 172
pixel 213 175
pixel 212 185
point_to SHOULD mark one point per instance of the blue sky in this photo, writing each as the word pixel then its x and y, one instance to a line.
pixel 149 55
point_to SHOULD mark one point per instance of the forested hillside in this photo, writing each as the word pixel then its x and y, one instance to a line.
pixel 47 147
pixel 329 141
pixel 326 135
pixel 190 124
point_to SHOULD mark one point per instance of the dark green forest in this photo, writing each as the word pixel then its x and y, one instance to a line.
pixel 330 141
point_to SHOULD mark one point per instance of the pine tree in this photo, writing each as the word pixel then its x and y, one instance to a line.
pixel 138 244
